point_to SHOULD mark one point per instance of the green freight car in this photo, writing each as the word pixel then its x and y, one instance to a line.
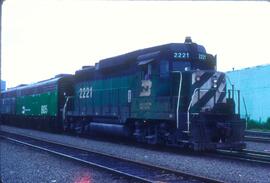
pixel 39 104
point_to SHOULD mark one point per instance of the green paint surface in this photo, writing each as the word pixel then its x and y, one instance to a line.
pixel 109 97
pixel 158 104
pixel 103 97
pixel 44 104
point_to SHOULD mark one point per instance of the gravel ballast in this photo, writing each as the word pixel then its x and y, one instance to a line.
pixel 21 164
pixel 222 169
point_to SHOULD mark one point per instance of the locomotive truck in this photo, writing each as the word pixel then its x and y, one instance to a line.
pixel 170 94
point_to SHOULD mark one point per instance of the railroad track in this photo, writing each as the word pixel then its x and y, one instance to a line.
pixel 136 170
pixel 257 133
pixel 246 155
pixel 257 136
pixel 257 139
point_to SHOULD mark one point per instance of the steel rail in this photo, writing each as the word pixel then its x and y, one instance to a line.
pixel 257 152
pixel 246 155
pixel 138 170
pixel 257 136
pixel 257 133
pixel 257 139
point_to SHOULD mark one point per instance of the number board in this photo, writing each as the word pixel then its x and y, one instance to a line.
pixel 202 56
pixel 186 55
pixel 181 55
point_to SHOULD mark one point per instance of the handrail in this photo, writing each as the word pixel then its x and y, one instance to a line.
pixel 234 99
pixel 189 106
pixel 246 116
pixel 65 107
pixel 178 98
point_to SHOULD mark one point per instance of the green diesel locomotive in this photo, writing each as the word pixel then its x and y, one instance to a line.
pixel 170 94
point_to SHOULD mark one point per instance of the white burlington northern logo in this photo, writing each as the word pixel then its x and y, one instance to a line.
pixel 25 110
pixel 146 88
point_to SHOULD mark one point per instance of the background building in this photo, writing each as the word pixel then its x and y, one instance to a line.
pixel 3 85
pixel 254 85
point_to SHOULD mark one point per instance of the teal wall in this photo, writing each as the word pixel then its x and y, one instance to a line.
pixel 254 84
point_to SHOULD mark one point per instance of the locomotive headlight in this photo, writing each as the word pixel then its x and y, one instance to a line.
pixel 214 82
pixel 198 78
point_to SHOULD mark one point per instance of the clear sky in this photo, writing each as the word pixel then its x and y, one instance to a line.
pixel 42 38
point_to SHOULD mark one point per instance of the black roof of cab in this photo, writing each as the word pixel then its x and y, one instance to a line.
pixel 138 57
pixel 148 53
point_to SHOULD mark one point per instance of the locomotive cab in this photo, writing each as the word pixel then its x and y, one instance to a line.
pixel 202 110
pixel 181 90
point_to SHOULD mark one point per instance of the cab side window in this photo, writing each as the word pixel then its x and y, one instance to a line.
pixel 147 71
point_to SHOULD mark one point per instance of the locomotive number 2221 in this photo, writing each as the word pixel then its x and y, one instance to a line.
pixel 85 92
